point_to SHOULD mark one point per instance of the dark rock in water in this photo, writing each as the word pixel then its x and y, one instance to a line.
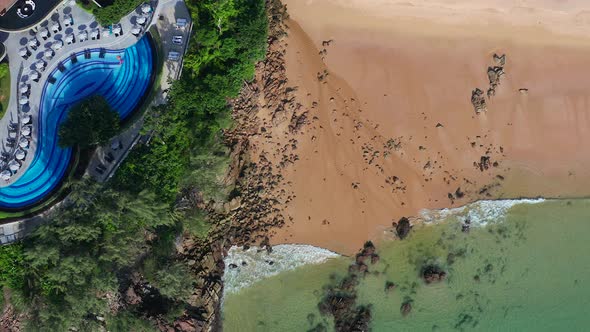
pixel 363 268
pixel 244 263
pixel 389 286
pixel 349 283
pixel 374 259
pixel 232 266
pixel 403 228
pixel 360 258
pixel 465 228
pixel 433 273
pixel 406 308
pixel 369 248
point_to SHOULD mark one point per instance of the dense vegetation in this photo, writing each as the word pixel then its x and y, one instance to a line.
pixel 4 87
pixel 67 268
pixel 89 123
pixel 112 13
pixel 222 53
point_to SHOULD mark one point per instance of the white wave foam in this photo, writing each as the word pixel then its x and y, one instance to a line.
pixel 479 213
pixel 255 264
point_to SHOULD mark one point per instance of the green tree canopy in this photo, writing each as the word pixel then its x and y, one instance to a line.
pixel 90 122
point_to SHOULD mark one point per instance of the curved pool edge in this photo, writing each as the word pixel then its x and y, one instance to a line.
pixel 72 169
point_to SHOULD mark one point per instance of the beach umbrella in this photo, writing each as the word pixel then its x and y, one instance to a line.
pixel 48 53
pixel 40 64
pixel 57 45
pixel 26 130
pixel 5 175
pixel 82 35
pixel 20 154
pixel 34 75
pixel 33 42
pixel 23 52
pixel 117 29
pixel 141 20
pixel 55 27
pixel 23 142
pixel 44 33
pixel 25 119
pixel 14 165
pixel 146 8
pixel 24 88
pixel 23 100
pixel 136 30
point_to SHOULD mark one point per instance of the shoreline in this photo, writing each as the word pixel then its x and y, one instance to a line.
pixel 390 130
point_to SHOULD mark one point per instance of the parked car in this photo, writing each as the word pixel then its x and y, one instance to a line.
pixel 177 40
pixel 173 56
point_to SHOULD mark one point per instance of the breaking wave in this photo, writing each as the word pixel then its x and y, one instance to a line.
pixel 479 213
pixel 245 267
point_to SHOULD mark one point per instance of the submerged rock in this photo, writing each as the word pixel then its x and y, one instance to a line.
pixel 406 308
pixel 389 286
pixel 433 273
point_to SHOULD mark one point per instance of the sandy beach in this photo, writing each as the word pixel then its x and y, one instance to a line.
pixel 391 129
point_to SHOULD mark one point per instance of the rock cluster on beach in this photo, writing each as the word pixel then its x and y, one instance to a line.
pixel 495 73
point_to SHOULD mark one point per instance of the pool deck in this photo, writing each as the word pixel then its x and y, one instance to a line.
pixel 164 17
pixel 19 67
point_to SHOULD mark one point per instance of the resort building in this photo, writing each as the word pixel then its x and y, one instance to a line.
pixel 58 55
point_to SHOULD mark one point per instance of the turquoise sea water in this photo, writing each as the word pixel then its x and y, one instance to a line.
pixel 527 271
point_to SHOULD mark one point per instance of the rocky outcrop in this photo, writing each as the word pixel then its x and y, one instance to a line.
pixel 433 273
pixel 339 300
pixel 389 286
pixel 403 227
pixel 495 73
pixel 255 202
pixel 406 308
pixel 478 101
pixel 11 321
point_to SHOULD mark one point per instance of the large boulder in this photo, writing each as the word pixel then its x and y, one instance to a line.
pixel 406 308
pixel 403 228
pixel 433 273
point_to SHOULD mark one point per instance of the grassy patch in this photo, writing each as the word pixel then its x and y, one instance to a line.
pixel 4 87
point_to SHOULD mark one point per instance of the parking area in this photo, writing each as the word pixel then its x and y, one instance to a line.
pixel 175 26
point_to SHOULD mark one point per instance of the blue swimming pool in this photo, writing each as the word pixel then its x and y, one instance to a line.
pixel 123 85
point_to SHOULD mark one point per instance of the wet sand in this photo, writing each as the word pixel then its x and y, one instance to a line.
pixel 391 127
